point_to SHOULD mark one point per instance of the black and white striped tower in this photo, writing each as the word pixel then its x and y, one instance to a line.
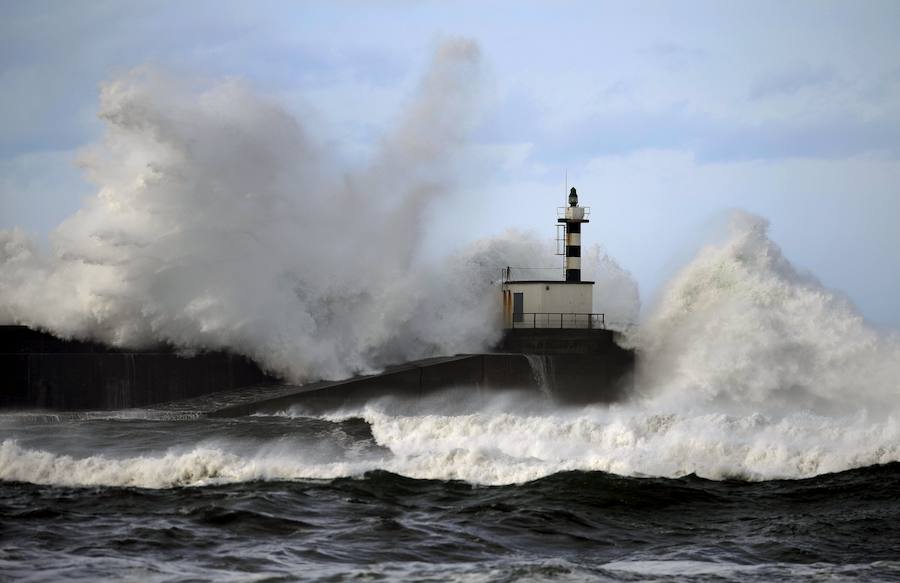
pixel 574 216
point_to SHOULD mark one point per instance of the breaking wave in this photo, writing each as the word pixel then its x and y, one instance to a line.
pixel 503 448
pixel 197 466
pixel 741 330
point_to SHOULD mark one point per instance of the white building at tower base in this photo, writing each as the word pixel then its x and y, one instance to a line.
pixel 552 303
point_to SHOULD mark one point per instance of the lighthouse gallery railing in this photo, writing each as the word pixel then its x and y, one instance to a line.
pixel 557 320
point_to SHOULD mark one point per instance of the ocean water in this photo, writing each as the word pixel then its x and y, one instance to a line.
pixel 443 489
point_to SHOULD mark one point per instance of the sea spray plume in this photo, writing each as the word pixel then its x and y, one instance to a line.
pixel 219 223
pixel 742 328
pixel 616 293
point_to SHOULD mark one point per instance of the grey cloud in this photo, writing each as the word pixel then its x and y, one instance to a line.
pixel 829 138
pixel 791 80
pixel 712 139
pixel 53 56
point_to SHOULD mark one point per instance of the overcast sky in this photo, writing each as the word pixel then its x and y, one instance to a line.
pixel 664 114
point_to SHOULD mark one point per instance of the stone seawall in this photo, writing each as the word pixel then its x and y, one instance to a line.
pixel 40 371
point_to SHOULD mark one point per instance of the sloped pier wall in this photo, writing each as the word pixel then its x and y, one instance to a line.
pixel 575 369
pixel 38 370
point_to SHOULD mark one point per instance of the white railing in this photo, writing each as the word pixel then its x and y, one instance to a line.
pixel 570 212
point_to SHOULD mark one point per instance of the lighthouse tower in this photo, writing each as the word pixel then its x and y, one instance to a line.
pixel 572 218
pixel 561 302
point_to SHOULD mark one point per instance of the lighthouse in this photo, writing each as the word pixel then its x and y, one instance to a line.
pixel 572 219
pixel 563 301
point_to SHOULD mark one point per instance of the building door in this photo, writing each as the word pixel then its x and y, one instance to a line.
pixel 518 306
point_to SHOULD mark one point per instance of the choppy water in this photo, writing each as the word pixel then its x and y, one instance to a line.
pixel 145 495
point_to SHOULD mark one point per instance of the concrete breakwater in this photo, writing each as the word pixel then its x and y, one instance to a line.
pixel 40 371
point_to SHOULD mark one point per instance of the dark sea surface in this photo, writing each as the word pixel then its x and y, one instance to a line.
pixel 144 496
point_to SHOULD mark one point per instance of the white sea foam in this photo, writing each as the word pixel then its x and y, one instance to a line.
pixel 202 464
pixel 503 448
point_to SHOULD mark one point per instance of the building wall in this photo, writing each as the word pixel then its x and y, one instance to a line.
pixel 564 298
pixel 568 298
